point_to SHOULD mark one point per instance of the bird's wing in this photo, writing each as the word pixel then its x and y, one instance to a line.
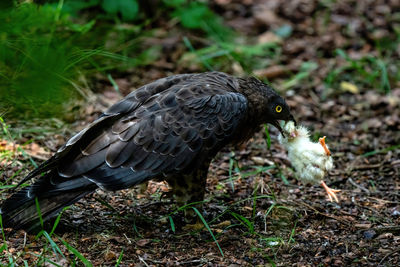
pixel 162 134
pixel 94 130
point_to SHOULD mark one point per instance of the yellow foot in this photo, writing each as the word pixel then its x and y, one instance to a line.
pixel 331 192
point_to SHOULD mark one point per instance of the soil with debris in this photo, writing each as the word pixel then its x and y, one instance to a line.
pixel 261 215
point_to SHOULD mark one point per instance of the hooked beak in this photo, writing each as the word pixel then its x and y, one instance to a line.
pixel 291 118
pixel 278 126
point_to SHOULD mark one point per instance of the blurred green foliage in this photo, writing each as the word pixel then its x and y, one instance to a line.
pixel 35 59
pixel 197 15
pixel 45 48
pixel 43 52
pixel 368 71
pixel 127 10
pixel 249 57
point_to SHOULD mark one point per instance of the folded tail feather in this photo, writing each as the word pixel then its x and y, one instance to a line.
pixel 53 193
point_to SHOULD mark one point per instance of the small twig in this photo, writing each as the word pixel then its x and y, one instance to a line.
pixel 367 167
pixel 385 201
pixel 129 241
pixel 192 261
pixel 35 156
pixel 387 255
pixel 142 260
pixel 323 214
pixel 387 229
pixel 359 186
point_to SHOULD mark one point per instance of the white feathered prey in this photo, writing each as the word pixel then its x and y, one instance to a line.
pixel 312 161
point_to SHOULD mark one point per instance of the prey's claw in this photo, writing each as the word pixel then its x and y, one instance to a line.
pixel 331 192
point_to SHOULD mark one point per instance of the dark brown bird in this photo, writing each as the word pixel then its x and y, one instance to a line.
pixel 168 130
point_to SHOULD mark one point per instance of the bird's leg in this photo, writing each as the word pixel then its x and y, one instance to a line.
pixel 331 192
pixel 196 197
pixel 189 190
pixel 322 142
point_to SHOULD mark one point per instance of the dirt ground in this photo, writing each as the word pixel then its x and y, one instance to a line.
pixel 261 215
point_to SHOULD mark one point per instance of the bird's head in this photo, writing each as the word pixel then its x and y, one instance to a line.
pixel 271 107
pixel 277 110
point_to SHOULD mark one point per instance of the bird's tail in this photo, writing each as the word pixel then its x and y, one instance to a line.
pixel 52 192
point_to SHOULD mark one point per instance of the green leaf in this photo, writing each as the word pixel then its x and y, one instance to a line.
pixel 110 6
pixel 193 17
pixel 129 9
pixel 73 7
pixel 174 3
pixel 82 28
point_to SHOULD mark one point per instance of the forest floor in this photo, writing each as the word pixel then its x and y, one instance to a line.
pixel 258 212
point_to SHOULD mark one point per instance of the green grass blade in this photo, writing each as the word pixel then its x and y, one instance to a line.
pixel 74 251
pixel 267 136
pixel 186 206
pixel 291 239
pixel 208 228
pixel 38 211
pixel 384 77
pixel 257 170
pixel 371 153
pixel 191 48
pixel 119 258
pixel 171 221
pixel 3 248
pixel 106 204
pixel 54 246
pixel 57 220
pixel 51 262
pixel 114 84
pixel 243 220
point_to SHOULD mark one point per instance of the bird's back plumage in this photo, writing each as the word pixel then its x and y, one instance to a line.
pixel 168 127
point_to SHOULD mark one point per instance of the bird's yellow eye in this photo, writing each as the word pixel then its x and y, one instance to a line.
pixel 278 108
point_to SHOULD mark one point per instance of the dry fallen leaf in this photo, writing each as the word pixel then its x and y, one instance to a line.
pixel 349 87
pixel 110 255
pixel 143 242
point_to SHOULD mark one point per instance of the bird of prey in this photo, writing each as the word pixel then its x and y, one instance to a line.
pixel 167 130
